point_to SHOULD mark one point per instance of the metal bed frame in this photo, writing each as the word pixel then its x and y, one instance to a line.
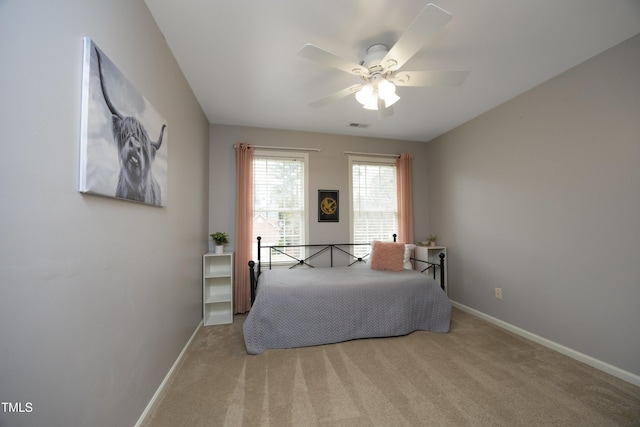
pixel 255 267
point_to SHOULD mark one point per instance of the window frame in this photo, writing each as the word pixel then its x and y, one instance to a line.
pixel 390 161
pixel 276 154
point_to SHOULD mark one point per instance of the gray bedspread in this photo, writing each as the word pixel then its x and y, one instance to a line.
pixel 304 307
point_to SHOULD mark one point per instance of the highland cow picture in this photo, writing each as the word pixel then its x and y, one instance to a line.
pixel 123 143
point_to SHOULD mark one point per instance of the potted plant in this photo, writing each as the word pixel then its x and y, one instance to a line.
pixel 220 239
pixel 432 240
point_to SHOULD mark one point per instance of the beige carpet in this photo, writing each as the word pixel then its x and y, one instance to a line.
pixel 476 375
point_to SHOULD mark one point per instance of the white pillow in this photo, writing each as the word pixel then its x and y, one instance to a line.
pixel 408 249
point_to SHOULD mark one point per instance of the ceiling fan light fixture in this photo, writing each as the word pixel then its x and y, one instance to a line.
pixel 370 94
pixel 387 91
pixel 386 88
pixel 372 103
pixel 366 94
pixel 390 99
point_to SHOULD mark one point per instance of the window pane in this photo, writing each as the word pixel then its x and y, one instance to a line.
pixel 374 202
pixel 278 202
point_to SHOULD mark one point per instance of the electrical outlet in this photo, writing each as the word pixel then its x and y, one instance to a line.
pixel 498 293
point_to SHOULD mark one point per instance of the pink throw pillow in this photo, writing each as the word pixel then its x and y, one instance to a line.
pixel 387 256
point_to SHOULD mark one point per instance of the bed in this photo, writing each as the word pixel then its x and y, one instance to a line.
pixel 358 293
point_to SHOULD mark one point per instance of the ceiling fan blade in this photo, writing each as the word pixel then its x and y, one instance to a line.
pixel 322 56
pixel 335 96
pixel 429 22
pixel 429 78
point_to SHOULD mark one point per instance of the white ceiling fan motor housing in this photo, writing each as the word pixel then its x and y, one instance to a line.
pixel 373 58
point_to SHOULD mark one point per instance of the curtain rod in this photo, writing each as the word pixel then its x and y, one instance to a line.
pixel 370 154
pixel 267 147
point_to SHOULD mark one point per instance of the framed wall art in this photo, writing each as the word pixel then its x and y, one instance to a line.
pixel 328 206
pixel 123 139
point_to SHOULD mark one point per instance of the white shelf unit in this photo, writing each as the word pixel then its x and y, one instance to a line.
pixel 217 288
pixel 432 254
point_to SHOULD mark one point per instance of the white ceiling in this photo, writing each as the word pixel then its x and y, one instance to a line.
pixel 240 56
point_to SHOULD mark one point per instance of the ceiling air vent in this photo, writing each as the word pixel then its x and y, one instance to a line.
pixel 359 125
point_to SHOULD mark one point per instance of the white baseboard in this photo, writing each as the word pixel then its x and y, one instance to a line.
pixel 164 382
pixel 595 363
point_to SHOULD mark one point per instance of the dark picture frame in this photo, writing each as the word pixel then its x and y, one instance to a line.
pixel 328 206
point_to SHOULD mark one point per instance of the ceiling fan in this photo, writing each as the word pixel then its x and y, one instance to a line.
pixel 380 67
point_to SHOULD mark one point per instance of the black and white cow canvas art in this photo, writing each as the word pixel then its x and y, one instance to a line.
pixel 123 147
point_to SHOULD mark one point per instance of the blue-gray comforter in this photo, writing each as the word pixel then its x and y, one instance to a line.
pixel 304 307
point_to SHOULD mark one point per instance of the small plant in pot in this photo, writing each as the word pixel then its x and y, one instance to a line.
pixel 220 239
pixel 432 240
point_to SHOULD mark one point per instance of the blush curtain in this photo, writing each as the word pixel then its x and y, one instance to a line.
pixel 405 203
pixel 244 213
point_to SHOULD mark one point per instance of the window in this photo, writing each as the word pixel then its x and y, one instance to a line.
pixel 279 199
pixel 374 214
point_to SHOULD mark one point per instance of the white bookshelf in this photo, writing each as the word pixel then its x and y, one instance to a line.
pixel 217 288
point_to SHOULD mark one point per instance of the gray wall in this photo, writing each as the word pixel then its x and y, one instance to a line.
pixel 328 169
pixel 541 197
pixel 97 296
